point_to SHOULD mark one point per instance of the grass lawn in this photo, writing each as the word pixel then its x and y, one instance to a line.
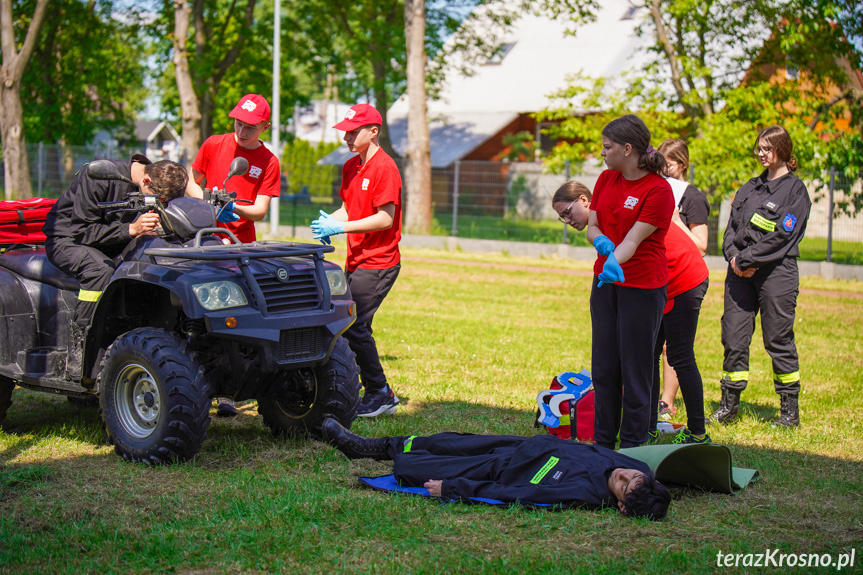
pixel 467 342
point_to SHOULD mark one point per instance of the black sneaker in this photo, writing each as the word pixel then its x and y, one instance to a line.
pixel 378 402
pixel 684 436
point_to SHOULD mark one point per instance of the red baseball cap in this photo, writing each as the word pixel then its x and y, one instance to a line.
pixel 359 116
pixel 251 109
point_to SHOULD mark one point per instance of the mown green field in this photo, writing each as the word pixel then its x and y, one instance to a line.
pixel 467 342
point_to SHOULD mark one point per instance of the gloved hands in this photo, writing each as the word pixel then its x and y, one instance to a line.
pixel 326 226
pixel 226 214
pixel 603 245
pixel 611 271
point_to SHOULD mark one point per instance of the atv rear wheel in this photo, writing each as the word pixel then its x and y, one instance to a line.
pixel 7 386
pixel 310 395
pixel 155 401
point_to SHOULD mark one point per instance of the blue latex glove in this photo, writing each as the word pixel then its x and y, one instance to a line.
pixel 603 245
pixel 326 226
pixel 226 214
pixel 611 271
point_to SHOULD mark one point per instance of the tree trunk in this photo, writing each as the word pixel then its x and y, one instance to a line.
pixel 16 165
pixel 382 104
pixel 191 113
pixel 417 166
pixel 15 161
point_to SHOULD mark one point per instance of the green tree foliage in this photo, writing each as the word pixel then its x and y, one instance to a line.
pixel 299 162
pixel 87 72
pixel 231 54
pixel 695 88
pixel 522 147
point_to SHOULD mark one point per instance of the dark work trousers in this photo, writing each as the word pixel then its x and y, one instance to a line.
pixel 451 455
pixel 625 325
pixel 92 268
pixel 772 291
pixel 677 332
pixel 369 287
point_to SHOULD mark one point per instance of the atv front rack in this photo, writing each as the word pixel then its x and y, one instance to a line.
pixel 244 253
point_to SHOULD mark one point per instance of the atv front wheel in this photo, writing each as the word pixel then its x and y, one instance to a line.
pixel 308 396
pixel 155 401
pixel 7 386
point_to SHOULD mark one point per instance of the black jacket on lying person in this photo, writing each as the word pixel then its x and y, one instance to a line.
pixel 540 469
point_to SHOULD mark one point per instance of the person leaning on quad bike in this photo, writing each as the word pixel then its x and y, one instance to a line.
pixel 82 239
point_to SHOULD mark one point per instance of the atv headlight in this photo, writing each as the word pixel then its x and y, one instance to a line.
pixel 219 295
pixel 338 282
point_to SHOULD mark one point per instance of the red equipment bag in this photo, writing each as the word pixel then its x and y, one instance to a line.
pixel 571 396
pixel 21 221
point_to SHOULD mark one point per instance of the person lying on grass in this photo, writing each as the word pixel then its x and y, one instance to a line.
pixel 541 470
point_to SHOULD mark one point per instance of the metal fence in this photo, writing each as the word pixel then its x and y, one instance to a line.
pixel 492 200
pixel 52 167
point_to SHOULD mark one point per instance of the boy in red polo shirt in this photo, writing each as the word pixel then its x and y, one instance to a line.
pixel 261 183
pixel 371 216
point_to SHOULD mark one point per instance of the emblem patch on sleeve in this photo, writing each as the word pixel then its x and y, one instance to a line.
pixel 788 222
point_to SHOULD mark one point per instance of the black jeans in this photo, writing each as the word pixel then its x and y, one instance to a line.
pixel 369 287
pixel 677 331
pixel 625 325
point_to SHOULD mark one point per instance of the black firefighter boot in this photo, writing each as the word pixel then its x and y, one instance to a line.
pixel 353 445
pixel 789 412
pixel 728 405
pixel 75 351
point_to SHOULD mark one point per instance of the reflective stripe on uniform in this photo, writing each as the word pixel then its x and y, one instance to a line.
pixel 763 223
pixel 408 443
pixel 787 377
pixel 552 461
pixel 88 295
pixel 735 375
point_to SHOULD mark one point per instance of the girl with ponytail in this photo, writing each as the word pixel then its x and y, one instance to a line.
pixel 630 213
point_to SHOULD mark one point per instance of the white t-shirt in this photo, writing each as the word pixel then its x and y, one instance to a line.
pixel 677 188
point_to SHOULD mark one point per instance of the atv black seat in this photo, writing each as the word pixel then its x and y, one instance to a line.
pixel 32 263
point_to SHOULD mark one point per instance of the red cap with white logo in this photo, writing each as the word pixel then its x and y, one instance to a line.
pixel 359 116
pixel 251 109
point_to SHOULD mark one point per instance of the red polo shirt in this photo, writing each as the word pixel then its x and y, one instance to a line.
pixel 618 204
pixel 214 161
pixel 365 188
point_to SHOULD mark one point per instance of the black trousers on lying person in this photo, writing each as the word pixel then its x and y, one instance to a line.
pixel 539 469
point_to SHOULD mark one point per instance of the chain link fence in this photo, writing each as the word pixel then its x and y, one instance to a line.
pixel 489 200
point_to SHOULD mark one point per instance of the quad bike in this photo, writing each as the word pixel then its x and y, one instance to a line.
pixel 187 316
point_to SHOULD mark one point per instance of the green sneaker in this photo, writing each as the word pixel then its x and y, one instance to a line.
pixel 684 436
pixel 652 437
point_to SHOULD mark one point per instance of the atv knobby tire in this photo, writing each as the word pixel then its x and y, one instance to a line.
pixel 329 390
pixel 7 386
pixel 154 398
